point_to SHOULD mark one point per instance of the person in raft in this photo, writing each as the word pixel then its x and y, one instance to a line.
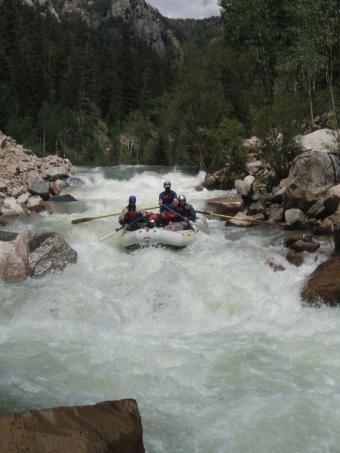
pixel 167 198
pixel 131 218
pixel 185 212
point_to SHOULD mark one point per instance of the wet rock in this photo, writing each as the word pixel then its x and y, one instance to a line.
pixel 52 255
pixel 74 182
pixel 14 259
pixel 323 286
pixel 311 175
pixel 303 246
pixel 294 217
pixel 199 188
pixel 226 205
pixel 108 427
pixel 290 240
pixel 332 199
pixel 295 258
pixel 67 198
pixel 275 213
pixel 23 198
pixel 54 173
pixel 277 267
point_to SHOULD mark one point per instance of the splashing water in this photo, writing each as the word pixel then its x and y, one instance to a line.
pixel 213 344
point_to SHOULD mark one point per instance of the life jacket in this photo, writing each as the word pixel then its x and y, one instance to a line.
pixel 184 211
pixel 131 214
pixel 167 197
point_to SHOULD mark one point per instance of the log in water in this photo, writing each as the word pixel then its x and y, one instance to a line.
pixel 215 346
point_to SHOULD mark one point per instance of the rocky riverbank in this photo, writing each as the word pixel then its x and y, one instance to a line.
pixel 307 199
pixel 28 182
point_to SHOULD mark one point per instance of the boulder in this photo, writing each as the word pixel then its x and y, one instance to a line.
pixel 275 213
pixel 294 217
pixel 323 286
pixel 23 198
pixel 54 173
pixel 249 180
pixel 257 208
pixel 311 175
pixel 242 188
pixel 66 198
pixel 35 204
pixel 57 186
pixel 289 241
pixel 253 167
pixel 199 188
pixel 295 258
pixel 304 246
pixel 14 257
pixel 226 205
pixel 322 140
pixel 53 254
pixel 278 193
pixel 108 427
pixel 12 208
pixel 41 188
pixel 332 199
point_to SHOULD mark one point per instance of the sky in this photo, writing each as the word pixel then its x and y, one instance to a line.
pixel 186 8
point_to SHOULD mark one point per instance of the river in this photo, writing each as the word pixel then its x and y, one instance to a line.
pixel 214 346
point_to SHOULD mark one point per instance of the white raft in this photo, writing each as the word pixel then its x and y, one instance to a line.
pixel 162 237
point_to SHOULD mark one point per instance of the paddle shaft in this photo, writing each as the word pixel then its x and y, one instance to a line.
pixel 180 215
pixel 89 219
pixel 250 220
pixel 122 227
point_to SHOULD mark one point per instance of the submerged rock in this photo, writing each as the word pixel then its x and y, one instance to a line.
pixel 277 267
pixel 296 258
pixel 108 427
pixel 323 286
pixel 50 254
pixel 67 198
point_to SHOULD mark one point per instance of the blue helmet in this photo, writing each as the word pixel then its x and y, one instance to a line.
pixel 132 199
pixel 167 184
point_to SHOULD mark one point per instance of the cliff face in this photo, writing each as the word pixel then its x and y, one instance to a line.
pixel 145 21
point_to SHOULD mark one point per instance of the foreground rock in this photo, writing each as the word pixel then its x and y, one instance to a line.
pixel 14 257
pixel 323 286
pixel 50 253
pixel 108 427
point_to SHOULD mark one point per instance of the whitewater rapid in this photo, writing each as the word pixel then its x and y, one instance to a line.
pixel 214 346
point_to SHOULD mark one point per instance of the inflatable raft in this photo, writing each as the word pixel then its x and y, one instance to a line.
pixel 162 237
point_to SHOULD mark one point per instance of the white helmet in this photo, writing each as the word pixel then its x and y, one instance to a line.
pixel 181 198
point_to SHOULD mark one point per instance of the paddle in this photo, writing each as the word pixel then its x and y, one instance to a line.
pixel 122 227
pixel 248 219
pixel 89 219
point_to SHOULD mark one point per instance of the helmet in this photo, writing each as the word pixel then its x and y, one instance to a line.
pixel 132 199
pixel 167 184
pixel 181 198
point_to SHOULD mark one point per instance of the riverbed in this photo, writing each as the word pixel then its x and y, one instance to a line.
pixel 215 347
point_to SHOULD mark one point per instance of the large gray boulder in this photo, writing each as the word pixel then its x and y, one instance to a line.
pixel 50 253
pixel 311 175
pixel 14 258
pixel 294 217
pixel 226 205
pixel 332 199
pixel 54 173
pixel 41 188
